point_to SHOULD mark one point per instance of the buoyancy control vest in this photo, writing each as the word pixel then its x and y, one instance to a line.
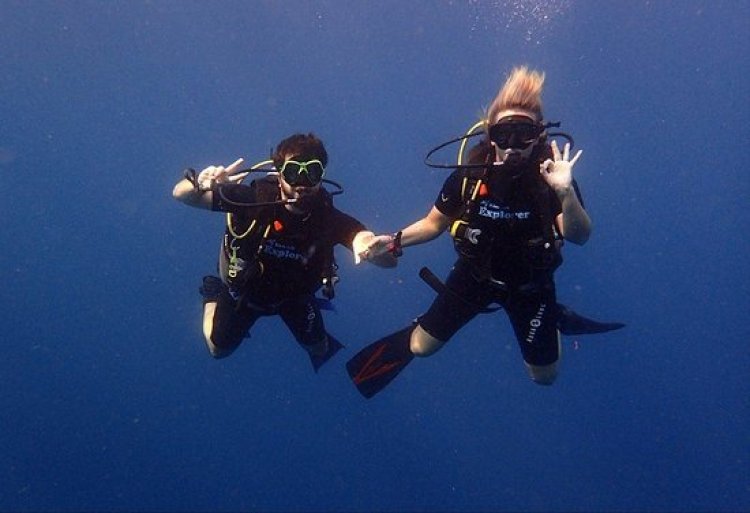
pixel 246 236
pixel 506 229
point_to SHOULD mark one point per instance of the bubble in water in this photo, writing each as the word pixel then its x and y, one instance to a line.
pixel 531 18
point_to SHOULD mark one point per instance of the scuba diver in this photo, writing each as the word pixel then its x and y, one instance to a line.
pixel 508 210
pixel 277 248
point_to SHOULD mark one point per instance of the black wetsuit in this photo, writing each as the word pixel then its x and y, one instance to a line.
pixel 512 264
pixel 281 262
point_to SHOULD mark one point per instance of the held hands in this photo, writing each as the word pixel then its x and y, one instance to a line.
pixel 220 174
pixel 370 246
pixel 558 173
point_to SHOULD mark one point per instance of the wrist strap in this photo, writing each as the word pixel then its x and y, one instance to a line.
pixel 192 176
pixel 394 247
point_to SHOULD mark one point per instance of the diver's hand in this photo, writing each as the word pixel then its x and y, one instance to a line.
pixel 362 244
pixel 220 174
pixel 368 246
pixel 558 171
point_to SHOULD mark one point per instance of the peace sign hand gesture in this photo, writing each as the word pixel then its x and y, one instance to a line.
pixel 220 174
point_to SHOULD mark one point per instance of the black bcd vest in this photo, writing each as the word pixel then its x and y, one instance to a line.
pixel 245 236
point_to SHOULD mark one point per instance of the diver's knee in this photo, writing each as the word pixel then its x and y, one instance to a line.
pixel 422 343
pixel 220 344
pixel 544 375
pixel 216 342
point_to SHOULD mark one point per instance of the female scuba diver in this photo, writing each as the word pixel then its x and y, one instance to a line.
pixel 508 211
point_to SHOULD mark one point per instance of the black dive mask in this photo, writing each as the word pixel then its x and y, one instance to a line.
pixel 515 132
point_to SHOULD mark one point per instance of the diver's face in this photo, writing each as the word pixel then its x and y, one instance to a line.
pixel 301 183
pixel 514 134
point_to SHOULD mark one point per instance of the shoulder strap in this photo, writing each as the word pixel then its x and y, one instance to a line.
pixel 472 187
pixel 329 273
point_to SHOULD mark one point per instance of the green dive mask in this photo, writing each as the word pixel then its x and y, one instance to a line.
pixel 304 174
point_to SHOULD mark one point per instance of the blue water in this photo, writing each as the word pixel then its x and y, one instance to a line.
pixel 109 399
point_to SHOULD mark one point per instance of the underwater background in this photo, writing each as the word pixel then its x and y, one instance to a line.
pixel 109 399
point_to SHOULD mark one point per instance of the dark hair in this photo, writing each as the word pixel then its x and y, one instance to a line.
pixel 300 145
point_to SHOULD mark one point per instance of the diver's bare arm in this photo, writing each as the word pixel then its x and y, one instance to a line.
pixel 185 192
pixel 374 246
pixel 426 229
pixel 574 222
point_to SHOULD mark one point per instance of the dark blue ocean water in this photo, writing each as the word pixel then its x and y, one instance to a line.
pixel 108 398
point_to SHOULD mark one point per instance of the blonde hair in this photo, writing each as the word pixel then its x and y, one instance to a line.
pixel 522 90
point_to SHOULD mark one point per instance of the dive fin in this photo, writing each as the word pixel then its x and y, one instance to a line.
pixel 571 323
pixel 333 347
pixel 378 364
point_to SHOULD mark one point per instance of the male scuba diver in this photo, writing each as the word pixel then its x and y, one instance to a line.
pixel 508 212
pixel 277 248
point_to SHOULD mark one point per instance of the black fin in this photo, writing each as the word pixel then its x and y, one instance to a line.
pixel 378 364
pixel 333 347
pixel 570 323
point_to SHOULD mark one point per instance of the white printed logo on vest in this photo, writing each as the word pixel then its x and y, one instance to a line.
pixel 492 210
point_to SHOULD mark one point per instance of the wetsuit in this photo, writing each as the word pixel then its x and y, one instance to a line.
pixel 512 262
pixel 272 262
